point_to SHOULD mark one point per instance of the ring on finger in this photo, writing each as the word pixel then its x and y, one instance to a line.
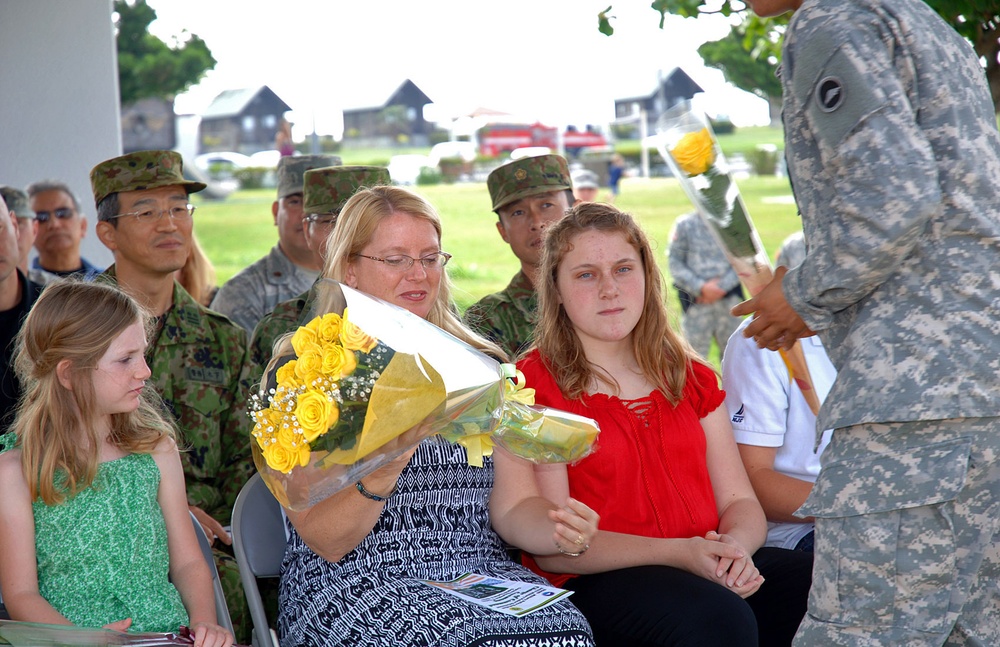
pixel 579 540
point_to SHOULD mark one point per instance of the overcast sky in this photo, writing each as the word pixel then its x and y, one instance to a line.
pixel 542 59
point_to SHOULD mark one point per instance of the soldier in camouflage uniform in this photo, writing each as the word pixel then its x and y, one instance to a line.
pixel 326 193
pixel 706 283
pixel 893 149
pixel 17 203
pixel 198 358
pixel 528 195
pixel 792 251
pixel 290 267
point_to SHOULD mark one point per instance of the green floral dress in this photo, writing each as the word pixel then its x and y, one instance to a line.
pixel 102 554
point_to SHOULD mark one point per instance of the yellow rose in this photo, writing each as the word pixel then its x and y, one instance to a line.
pixel 695 152
pixel 338 362
pixel 316 414
pixel 304 338
pixel 310 364
pixel 286 373
pixel 353 338
pixel 283 460
pixel 327 327
pixel 288 438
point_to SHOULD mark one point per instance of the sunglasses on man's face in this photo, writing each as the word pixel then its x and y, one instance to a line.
pixel 62 213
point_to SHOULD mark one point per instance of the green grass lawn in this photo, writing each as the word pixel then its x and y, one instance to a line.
pixel 239 230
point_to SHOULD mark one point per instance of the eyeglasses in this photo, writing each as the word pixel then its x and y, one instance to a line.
pixel 402 262
pixel 62 213
pixel 325 219
pixel 180 213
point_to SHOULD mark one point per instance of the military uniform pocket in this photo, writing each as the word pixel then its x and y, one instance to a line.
pixel 885 537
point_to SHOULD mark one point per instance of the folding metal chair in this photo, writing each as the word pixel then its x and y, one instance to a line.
pixel 259 543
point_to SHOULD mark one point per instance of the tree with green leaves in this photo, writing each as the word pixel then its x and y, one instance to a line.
pixel 754 74
pixel 977 20
pixel 148 67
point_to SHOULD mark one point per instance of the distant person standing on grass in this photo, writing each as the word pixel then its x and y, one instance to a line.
pixel 585 185
pixel 528 195
pixel 893 151
pixel 616 169
pixel 290 267
pixel 706 284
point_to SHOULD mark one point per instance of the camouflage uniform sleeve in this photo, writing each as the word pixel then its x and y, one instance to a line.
pixel 239 299
pixel 677 258
pixel 236 460
pixel 870 147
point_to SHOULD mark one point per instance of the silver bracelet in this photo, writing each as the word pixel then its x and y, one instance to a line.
pixel 374 497
pixel 582 550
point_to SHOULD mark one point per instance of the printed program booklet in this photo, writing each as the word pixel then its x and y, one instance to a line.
pixel 505 596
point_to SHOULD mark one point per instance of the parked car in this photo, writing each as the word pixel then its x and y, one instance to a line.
pixel 529 151
pixel 405 169
pixel 265 159
pixel 445 150
pixel 221 164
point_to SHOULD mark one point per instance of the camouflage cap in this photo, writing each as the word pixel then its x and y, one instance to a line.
pixel 291 170
pixel 328 189
pixel 140 171
pixel 527 176
pixel 17 201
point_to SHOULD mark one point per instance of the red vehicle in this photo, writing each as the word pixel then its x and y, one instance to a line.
pixel 496 139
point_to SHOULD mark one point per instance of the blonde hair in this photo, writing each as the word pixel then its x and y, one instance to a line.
pixel 56 426
pixel 356 227
pixel 663 354
pixel 198 275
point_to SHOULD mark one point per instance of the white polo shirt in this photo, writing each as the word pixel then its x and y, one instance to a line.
pixel 767 410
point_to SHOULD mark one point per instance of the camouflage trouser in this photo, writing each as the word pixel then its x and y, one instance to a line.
pixel 907 521
pixel 704 322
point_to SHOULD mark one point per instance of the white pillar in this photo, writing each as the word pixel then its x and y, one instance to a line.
pixel 59 98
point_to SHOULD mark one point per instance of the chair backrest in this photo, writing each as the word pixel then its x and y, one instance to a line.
pixel 259 544
pixel 221 608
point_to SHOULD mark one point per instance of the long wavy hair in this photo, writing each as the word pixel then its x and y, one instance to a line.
pixel 57 427
pixel 663 354
pixel 355 228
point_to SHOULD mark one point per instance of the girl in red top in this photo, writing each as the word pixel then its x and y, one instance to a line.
pixel 678 558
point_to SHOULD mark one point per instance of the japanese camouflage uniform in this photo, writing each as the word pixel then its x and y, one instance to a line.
pixel 508 317
pixel 695 258
pixel 326 191
pixel 894 155
pixel 200 368
pixel 255 290
pixel 17 203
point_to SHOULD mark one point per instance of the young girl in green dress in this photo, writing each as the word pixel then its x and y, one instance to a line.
pixel 94 522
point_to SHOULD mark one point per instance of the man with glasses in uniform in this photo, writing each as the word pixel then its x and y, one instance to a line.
pixel 197 357
pixel 59 229
pixel 291 266
pixel 326 191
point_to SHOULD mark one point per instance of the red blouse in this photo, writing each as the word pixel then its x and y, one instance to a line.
pixel 648 476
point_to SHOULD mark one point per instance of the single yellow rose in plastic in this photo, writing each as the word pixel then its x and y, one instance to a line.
pixel 695 152
pixel 353 338
pixel 316 414
pixel 337 362
pixel 305 337
pixel 309 366
pixel 327 327
pixel 283 460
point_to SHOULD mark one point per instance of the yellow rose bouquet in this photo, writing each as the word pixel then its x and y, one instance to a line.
pixel 688 145
pixel 362 381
